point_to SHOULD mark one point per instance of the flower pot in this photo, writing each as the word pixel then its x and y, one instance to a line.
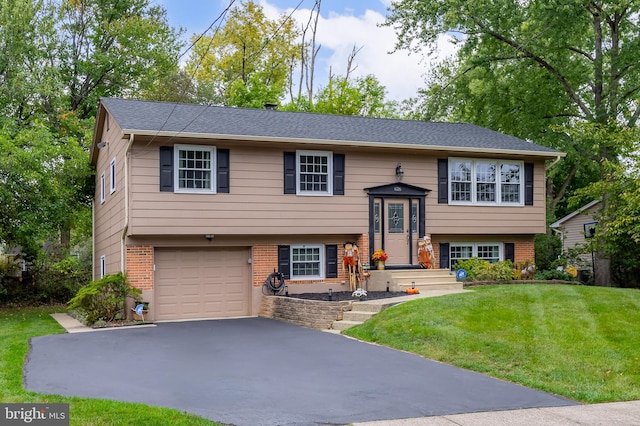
pixel 380 264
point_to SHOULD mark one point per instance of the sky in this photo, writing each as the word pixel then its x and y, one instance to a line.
pixel 343 24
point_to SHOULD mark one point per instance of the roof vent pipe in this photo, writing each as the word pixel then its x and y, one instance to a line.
pixel 270 106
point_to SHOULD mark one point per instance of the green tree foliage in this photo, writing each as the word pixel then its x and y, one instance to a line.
pixel 363 96
pixel 112 48
pixel 58 58
pixel 248 60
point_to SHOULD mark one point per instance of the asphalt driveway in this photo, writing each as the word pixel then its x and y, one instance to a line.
pixel 255 371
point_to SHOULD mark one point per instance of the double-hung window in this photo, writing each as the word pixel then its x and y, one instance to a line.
pixel 491 252
pixel 195 168
pixel 314 172
pixel 486 182
pixel 307 261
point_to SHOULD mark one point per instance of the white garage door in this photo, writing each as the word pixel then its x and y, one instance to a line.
pixel 202 283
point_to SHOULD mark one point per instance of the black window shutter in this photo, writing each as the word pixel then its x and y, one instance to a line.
pixel 222 178
pixel 528 184
pixel 284 266
pixel 289 172
pixel 331 258
pixel 166 168
pixel 443 181
pixel 338 174
pixel 510 252
pixel 444 255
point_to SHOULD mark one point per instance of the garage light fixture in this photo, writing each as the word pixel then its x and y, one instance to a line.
pixel 209 237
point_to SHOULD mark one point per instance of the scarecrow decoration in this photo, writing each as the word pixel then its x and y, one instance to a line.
pixel 351 261
pixel 425 252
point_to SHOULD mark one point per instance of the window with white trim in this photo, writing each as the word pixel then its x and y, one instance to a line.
pixel 112 176
pixel 491 252
pixel 102 187
pixel 195 168
pixel 103 266
pixel 307 261
pixel 487 182
pixel 314 172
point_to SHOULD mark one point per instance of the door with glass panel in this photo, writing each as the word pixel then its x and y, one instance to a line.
pixel 397 228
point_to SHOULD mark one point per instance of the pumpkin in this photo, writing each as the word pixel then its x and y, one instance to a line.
pixel 412 291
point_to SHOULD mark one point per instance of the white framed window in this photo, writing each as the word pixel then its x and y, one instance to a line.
pixel 486 182
pixel 112 176
pixel 491 252
pixel 102 187
pixel 307 261
pixel 314 173
pixel 103 266
pixel 195 169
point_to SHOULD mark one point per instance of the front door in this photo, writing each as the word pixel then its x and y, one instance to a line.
pixel 397 232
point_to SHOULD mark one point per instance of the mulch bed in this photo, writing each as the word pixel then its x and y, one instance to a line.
pixel 340 296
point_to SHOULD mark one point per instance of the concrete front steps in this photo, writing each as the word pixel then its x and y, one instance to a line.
pixel 430 282
pixel 362 311
pixel 422 279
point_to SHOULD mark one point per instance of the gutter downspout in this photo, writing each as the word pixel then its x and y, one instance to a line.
pixel 125 227
pixel 550 166
pixel 93 239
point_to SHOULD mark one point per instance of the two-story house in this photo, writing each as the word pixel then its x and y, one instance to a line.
pixel 199 204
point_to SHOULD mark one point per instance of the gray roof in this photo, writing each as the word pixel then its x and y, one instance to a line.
pixel 167 118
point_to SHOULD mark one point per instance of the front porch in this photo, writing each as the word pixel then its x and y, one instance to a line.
pixel 401 279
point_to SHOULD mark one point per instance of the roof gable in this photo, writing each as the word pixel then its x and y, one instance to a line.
pixel 172 119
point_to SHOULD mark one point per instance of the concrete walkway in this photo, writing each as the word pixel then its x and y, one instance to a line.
pixel 610 414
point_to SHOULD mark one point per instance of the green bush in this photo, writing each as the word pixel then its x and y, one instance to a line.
pixel 553 274
pixel 482 270
pixel 104 299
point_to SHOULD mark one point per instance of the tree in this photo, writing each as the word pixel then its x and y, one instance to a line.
pixel 58 58
pixel 535 70
pixel 250 54
pixel 112 48
pixel 363 96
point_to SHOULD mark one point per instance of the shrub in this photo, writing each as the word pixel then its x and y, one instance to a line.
pixel 104 299
pixel 482 270
pixel 553 274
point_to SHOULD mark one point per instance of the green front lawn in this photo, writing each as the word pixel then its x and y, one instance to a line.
pixel 16 327
pixel 579 342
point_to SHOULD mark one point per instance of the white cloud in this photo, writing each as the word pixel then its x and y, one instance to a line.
pixel 400 72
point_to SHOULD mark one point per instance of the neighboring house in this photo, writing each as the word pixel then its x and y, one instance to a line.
pixel 575 228
pixel 199 204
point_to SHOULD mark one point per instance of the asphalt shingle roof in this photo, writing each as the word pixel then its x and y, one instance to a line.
pixel 149 117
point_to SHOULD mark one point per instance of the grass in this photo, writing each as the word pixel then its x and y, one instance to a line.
pixel 17 326
pixel 575 341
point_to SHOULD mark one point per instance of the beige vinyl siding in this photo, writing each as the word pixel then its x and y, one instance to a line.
pixel 573 230
pixel 109 216
pixel 256 204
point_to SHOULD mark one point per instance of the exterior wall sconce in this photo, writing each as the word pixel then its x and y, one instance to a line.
pixel 399 172
pixel 102 144
pixel 209 237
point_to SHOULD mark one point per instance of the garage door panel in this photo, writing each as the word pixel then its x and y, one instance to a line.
pixel 202 283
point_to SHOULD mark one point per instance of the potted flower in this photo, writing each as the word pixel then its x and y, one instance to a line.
pixel 379 256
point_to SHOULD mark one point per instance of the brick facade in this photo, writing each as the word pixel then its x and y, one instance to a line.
pixel 525 250
pixel 265 260
pixel 140 267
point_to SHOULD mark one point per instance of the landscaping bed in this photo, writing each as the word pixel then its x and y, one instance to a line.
pixel 340 296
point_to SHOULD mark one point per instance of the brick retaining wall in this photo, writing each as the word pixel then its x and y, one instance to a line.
pixel 307 313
